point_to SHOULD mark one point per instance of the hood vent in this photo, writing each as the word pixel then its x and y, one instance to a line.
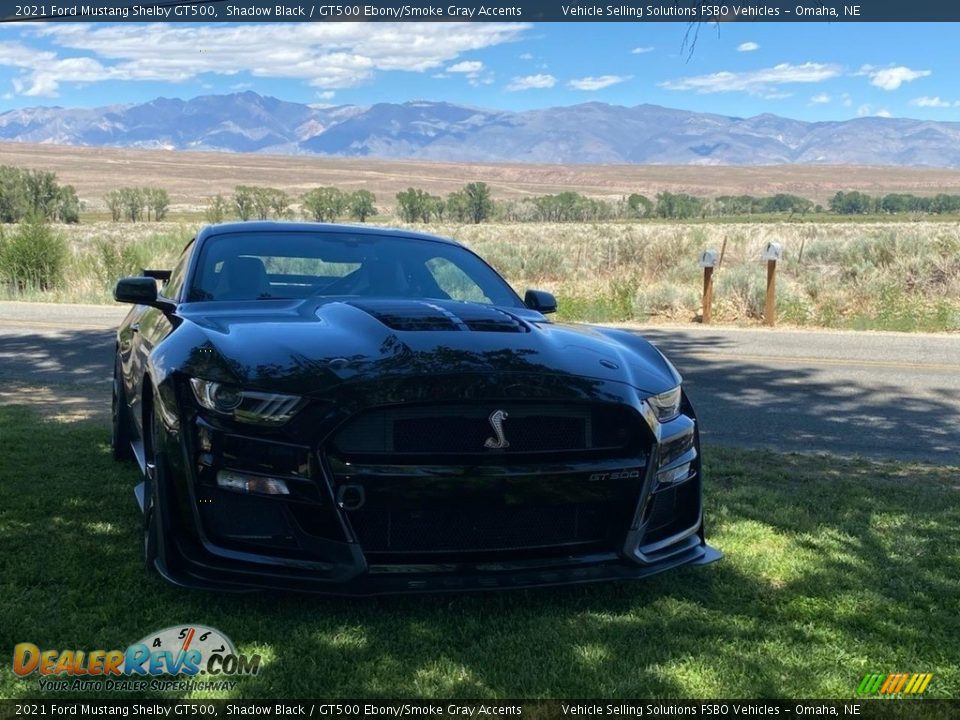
pixel 426 316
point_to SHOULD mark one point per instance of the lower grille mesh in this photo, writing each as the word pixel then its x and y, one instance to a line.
pixel 673 510
pixel 464 530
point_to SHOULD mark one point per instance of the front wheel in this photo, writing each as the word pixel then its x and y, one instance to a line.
pixel 120 428
pixel 150 538
pixel 153 484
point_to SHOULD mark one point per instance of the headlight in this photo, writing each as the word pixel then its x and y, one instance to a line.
pixel 249 406
pixel 666 405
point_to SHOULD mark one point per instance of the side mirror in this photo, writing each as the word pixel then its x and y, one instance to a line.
pixel 540 300
pixel 138 291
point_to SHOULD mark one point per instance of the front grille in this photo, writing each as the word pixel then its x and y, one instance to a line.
pixel 470 529
pixel 469 430
pixel 533 433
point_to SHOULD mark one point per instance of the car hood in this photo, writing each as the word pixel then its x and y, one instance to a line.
pixel 308 346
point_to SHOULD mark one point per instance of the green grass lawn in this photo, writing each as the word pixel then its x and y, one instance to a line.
pixel 833 568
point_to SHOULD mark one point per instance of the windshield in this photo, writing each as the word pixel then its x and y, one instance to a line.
pixel 277 265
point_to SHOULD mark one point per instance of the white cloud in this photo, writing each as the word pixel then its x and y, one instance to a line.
pixel 891 78
pixel 526 56
pixel 747 47
pixel 868 111
pixel 642 50
pixel 324 55
pixel 758 82
pixel 820 99
pixel 326 95
pixel 934 102
pixel 36 82
pixel 531 82
pixel 467 66
pixel 598 83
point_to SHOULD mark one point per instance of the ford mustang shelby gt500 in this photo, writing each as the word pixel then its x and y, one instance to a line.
pixel 356 410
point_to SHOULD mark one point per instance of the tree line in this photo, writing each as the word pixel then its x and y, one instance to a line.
pixel 323 204
pixel 474 203
pixel 36 193
pixel 137 203
pixel 571 206
pixel 858 203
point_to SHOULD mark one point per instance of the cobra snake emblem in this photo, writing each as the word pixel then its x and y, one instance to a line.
pixel 496 422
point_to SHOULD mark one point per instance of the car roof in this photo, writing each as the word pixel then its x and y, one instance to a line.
pixel 270 226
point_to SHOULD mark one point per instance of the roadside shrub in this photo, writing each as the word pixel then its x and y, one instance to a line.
pixel 666 299
pixel 794 304
pixel 116 260
pixel 216 210
pixel 740 291
pixel 33 256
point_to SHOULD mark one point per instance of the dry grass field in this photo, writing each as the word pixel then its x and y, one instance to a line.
pixel 891 276
pixel 856 274
pixel 191 178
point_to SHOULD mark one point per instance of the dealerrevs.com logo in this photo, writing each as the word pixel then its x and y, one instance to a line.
pixel 182 651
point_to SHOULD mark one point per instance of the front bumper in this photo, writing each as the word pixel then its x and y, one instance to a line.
pixel 227 541
pixel 206 573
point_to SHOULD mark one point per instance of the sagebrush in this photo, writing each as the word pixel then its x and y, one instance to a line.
pixel 895 276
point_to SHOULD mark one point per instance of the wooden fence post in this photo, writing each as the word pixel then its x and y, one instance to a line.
pixel 708 261
pixel 772 253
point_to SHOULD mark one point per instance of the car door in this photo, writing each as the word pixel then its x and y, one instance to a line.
pixel 147 327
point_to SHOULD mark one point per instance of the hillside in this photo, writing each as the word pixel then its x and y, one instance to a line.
pixel 589 133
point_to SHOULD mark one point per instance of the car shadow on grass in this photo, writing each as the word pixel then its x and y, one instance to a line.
pixel 833 568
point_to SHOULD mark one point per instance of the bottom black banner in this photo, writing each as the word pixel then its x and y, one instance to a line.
pixel 924 709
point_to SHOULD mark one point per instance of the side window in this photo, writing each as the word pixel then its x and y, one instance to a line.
pixel 455 282
pixel 171 288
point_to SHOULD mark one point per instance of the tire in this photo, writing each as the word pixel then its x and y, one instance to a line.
pixel 152 516
pixel 120 427
pixel 150 539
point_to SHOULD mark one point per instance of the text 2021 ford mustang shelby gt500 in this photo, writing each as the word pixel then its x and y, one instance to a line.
pixel 358 410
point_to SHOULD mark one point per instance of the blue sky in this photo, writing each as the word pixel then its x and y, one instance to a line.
pixel 809 71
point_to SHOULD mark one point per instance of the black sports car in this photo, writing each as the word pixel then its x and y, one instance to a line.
pixel 358 410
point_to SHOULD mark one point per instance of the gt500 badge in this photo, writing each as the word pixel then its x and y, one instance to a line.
pixel 618 475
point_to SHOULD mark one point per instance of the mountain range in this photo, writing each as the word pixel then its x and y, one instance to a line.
pixel 594 133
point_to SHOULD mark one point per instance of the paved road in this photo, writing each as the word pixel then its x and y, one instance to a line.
pixel 877 395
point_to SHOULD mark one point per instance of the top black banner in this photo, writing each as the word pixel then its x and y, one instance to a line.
pixel 478 11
